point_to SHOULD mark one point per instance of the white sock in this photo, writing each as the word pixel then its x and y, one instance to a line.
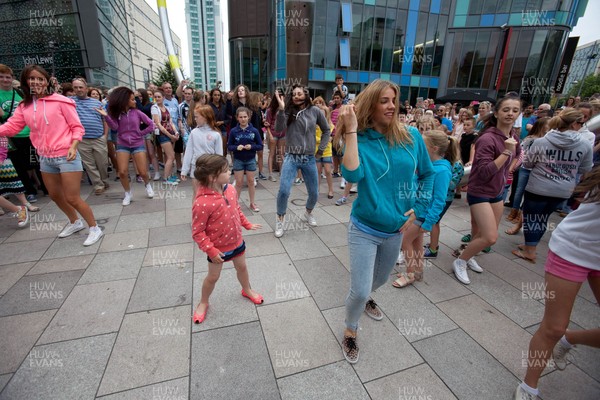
pixel 529 389
pixel 565 343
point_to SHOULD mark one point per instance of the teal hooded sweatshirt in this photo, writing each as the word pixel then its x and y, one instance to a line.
pixel 391 180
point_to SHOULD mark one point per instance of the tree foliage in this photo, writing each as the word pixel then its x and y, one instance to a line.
pixel 591 85
pixel 165 74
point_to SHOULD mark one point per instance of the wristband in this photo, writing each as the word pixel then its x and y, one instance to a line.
pixel 507 153
pixel 347 133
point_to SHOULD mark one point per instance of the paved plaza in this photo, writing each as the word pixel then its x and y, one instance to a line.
pixel 113 320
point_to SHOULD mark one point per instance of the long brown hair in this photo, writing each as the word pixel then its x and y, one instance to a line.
pixel 565 119
pixel 590 185
pixel 26 89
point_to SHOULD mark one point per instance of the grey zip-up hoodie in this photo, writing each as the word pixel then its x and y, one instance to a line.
pixel 300 137
pixel 555 160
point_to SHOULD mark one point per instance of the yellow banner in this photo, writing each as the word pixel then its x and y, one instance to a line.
pixel 161 3
pixel 174 62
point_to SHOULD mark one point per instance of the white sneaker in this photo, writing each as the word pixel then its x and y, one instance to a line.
pixel 255 182
pixel 401 260
pixel 343 184
pixel 127 198
pixel 157 176
pixel 149 190
pixel 310 219
pixel 472 264
pixel 522 394
pixel 460 270
pixel 278 228
pixel 354 188
pixel 559 354
pixel 94 235
pixel 71 229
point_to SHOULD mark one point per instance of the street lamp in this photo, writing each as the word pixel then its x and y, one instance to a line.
pixel 240 43
pixel 150 59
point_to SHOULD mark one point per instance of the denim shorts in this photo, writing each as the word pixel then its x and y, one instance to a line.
pixel 112 136
pixel 162 139
pixel 59 165
pixel 239 165
pixel 325 160
pixel 132 150
pixel 472 200
pixel 229 255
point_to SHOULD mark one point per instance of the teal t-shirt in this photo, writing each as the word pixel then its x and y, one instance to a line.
pixel 6 97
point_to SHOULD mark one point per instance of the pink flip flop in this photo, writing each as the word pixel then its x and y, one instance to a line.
pixel 257 300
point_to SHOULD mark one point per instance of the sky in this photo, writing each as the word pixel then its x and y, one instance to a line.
pixel 586 28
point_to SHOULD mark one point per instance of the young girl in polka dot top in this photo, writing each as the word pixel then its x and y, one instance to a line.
pixel 217 222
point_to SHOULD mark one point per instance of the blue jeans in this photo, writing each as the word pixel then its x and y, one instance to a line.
pixel 372 260
pixel 291 164
pixel 521 184
pixel 536 211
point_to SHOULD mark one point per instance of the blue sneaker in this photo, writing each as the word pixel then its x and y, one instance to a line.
pixel 430 253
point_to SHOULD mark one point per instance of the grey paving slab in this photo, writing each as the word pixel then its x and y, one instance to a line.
pixel 90 310
pixel 174 234
pixel 415 383
pixel 178 216
pixel 438 286
pixel 333 235
pixel 176 389
pixel 141 205
pixel 13 253
pixel 71 246
pixel 323 218
pixel 114 266
pixel 61 264
pixel 342 255
pixel 585 314
pixel 174 202
pixel 10 274
pixel 329 382
pixel 303 243
pixel 263 244
pixel 340 213
pixel 512 302
pixel 218 371
pixel 411 312
pixel 226 304
pixel 572 383
pixel 107 210
pixel 38 228
pixel 513 273
pixel 201 263
pixel 327 280
pixel 296 330
pixel 500 336
pixel 173 255
pixel 134 222
pixel 159 287
pixel 276 279
pixel 383 350
pixel 4 380
pixel 586 293
pixel 125 241
pixel 466 360
pixel 151 347
pixel 455 222
pixel 38 292
pixel 257 219
pixel 53 368
pixel 18 334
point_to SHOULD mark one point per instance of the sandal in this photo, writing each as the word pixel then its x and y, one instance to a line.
pixel 523 256
pixel 31 207
pixel 404 280
pixel 466 238
pixel 456 253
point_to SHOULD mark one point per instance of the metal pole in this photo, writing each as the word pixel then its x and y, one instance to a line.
pixel 241 55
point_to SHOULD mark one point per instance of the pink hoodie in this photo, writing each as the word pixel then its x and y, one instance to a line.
pixel 53 121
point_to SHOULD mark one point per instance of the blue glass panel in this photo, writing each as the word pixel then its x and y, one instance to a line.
pixel 347 17
pixel 424 81
pixel 363 77
pixel 434 83
pixel 415 80
pixel 435 6
pixel 501 19
pixel 487 20
pixel 460 21
pixel 373 76
pixel 352 76
pixel 318 74
pixel 405 80
pixel 281 73
pixel 310 74
pixel 414 5
pixel 396 79
pixel 345 52
pixel 409 49
pixel 370 2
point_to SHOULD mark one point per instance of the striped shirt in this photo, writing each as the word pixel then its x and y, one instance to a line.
pixel 90 118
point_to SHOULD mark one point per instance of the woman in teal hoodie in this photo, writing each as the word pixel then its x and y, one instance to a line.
pixel 395 179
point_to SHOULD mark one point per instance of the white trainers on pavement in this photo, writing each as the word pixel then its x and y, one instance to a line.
pixel 127 198
pixel 460 270
pixel 472 264
pixel 310 219
pixel 149 190
pixel 278 228
pixel 94 235
pixel 71 229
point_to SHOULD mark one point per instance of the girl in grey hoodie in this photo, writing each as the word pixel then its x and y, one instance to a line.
pixel 554 161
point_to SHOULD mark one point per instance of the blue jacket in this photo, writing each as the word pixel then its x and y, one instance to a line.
pixel 441 182
pixel 246 136
pixel 391 180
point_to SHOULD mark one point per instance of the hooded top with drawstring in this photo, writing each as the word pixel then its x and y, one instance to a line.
pixel 53 121
pixel 555 160
pixel 391 180
pixel 300 135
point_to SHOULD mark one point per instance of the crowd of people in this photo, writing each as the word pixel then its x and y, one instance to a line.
pixel 406 163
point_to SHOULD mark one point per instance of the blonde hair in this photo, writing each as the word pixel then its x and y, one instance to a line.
pixel 365 104
pixel 426 119
pixel 447 145
pixel 563 121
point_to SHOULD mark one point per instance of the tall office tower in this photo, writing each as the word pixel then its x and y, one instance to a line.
pixel 205 35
